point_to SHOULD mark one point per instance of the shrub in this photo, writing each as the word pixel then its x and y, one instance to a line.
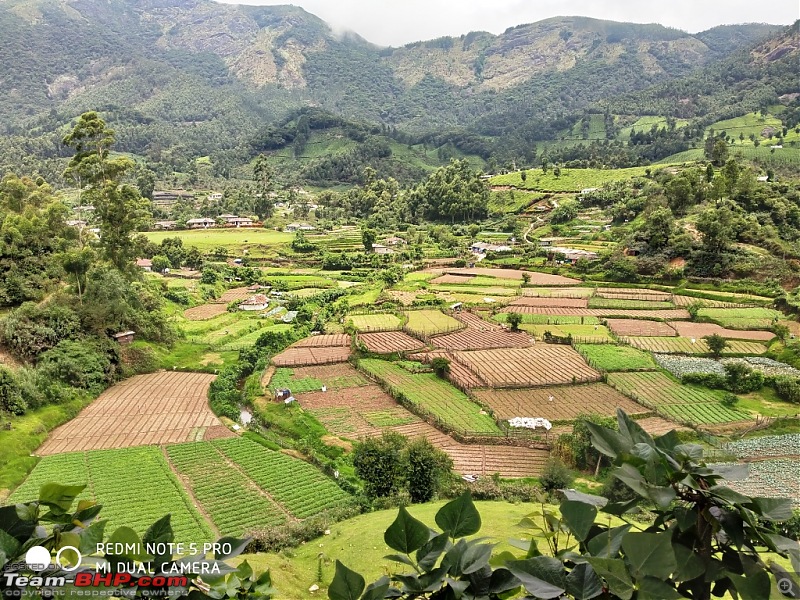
pixel 556 475
pixel 716 344
pixel 514 320
pixel 11 399
pixel 709 380
pixel 729 400
pixel 426 468
pixel 788 389
pixel 440 366
pixel 741 379
pixel 78 364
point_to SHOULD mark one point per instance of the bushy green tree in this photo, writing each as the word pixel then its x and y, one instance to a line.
pixel 11 400
pixel 716 344
pixel 78 364
pixel 514 320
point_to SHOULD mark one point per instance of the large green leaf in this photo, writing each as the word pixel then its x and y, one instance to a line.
pixel 346 584
pixel 583 583
pixel 632 430
pixel 377 590
pixel 756 585
pixel 160 532
pixel 579 517
pixel 431 550
pixel 502 580
pixel 650 553
pixel 91 536
pixel 615 574
pixel 131 543
pixel 690 565
pixel 230 547
pixel 607 441
pixel 475 557
pixel 630 476
pixel 406 533
pixel 607 543
pixel 59 497
pixel 459 517
pixel 9 546
pixel 652 588
pixel 542 576
pixel 598 501
pixel 774 509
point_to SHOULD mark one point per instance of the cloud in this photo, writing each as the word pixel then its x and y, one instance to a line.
pixel 392 22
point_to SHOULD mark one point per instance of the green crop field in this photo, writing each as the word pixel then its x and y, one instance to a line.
pixel 550 319
pixel 201 465
pixel 431 322
pixel 708 413
pixel 497 290
pixel 607 357
pixel 376 322
pixel 646 123
pixel 135 486
pixel 364 298
pixel 683 345
pixel 752 124
pixel 512 201
pixel 741 318
pixel 286 378
pixel 570 180
pixel 485 281
pixel 301 488
pixel 682 402
pixel 598 302
pixel 298 282
pixel 432 395
pixel 234 240
pixel 246 341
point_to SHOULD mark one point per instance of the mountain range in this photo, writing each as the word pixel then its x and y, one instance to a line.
pixel 196 77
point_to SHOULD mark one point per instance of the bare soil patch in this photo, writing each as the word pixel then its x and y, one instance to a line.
pixel 324 341
pixel 389 342
pixel 161 408
pixel 559 403
pixel 537 365
pixel 699 330
pixel 557 302
pixel 233 295
pixel 640 328
pixel 296 357
pixel 453 279
pixel 205 312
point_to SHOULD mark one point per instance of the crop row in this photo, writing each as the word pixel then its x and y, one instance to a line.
pixel 134 485
pixel 202 465
pixel 432 395
pixel 654 388
pixel 608 357
pixel 297 485
pixel 682 345
pixel 704 413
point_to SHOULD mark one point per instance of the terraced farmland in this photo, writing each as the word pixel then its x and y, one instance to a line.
pixel 609 357
pixel 682 345
pixel 741 318
pixel 297 357
pixel 640 328
pixel 432 395
pixel 558 403
pixel 200 466
pixel 122 489
pixel 431 322
pixel 627 303
pixel 389 342
pixel 552 302
pixel 324 341
pixel 698 330
pixel 671 399
pixel 301 488
pixel 542 364
pixel 376 322
pixel 205 312
pixel 162 408
pixel 675 313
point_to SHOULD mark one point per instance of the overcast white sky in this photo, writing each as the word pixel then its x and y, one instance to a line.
pixel 397 22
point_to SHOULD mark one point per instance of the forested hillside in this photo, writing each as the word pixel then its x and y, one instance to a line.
pixel 186 79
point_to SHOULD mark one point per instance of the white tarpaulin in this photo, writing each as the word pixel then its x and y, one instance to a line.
pixel 530 422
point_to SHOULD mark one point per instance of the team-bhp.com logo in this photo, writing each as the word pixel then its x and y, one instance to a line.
pixel 62 570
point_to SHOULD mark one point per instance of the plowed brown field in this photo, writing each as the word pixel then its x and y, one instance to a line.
pixel 536 277
pixel 599 312
pixel 557 302
pixel 471 339
pixel 205 311
pixel 640 328
pixel 162 408
pixel 297 357
pixel 390 341
pixel 460 375
pixel 324 341
pixel 542 364
pixel 368 411
pixel 234 294
pixel 698 330
pixel 568 402
pixel 453 279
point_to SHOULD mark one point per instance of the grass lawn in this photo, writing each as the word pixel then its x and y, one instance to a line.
pixel 235 240
pixel 608 357
pixel 765 402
